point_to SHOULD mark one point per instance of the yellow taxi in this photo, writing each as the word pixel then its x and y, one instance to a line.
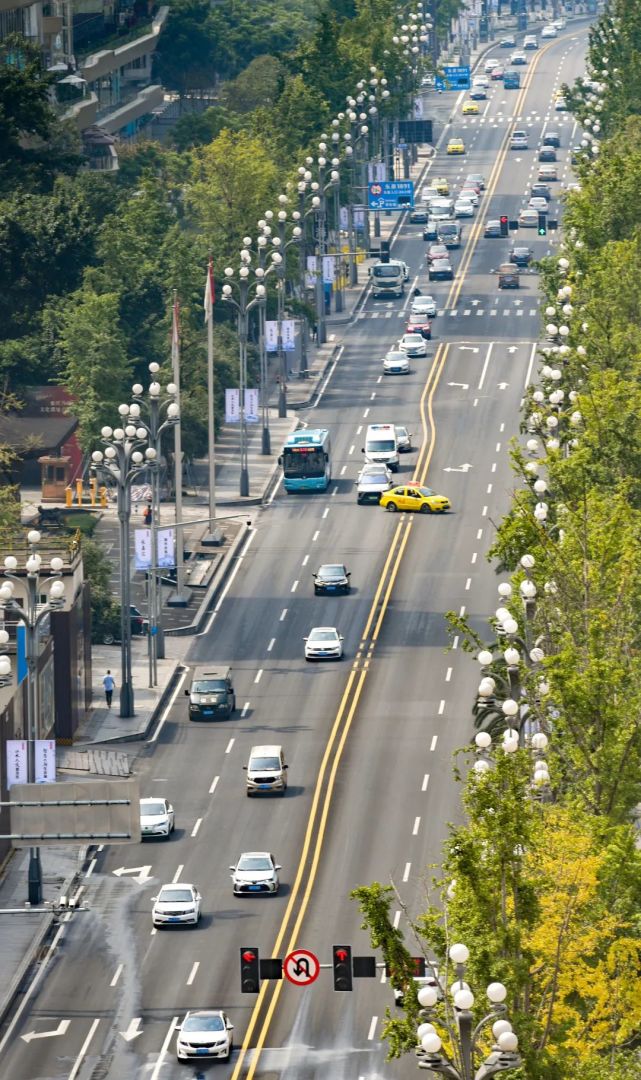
pixel 441 185
pixel 456 146
pixel 414 496
pixel 470 108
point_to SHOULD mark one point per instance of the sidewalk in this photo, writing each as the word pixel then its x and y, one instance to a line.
pixel 22 935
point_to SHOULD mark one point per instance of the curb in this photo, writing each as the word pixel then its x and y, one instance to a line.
pixel 220 577
pixel 30 956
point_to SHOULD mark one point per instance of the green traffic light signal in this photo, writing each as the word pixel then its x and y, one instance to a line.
pixel 543 225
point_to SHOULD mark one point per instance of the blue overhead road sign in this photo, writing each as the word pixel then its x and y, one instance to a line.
pixel 454 77
pixel 391 195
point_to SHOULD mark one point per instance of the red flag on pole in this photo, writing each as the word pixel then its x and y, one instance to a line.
pixel 210 295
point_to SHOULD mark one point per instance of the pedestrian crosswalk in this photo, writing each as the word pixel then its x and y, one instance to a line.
pixel 507 312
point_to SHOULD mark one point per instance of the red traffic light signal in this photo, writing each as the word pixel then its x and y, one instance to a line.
pixel 342 965
pixel 504 224
pixel 249 970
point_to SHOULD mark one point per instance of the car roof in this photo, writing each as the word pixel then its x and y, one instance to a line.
pixel 177 885
pixel 251 854
pixel 208 672
pixel 152 799
pixel 311 632
pixel 271 748
pixel 204 1012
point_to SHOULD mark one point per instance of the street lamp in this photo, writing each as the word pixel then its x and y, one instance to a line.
pixel 244 305
pixel 464 1034
pixel 31 614
pixel 282 244
pixel 122 462
pixel 155 425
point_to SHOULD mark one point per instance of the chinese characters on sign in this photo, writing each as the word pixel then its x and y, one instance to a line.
pixel 288 330
pixel 232 406
pixel 165 548
pixel 18 761
pixel 45 759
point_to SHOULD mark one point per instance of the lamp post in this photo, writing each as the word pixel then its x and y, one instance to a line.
pixel 282 244
pixel 154 425
pixel 243 307
pixel 31 614
pixel 319 203
pixel 464 1033
pixel 122 462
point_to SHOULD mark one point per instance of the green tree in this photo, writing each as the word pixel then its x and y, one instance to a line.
pixel 94 365
pixel 256 85
pixel 198 129
pixel 105 610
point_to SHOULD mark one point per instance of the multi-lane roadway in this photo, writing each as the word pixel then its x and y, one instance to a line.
pixel 369 740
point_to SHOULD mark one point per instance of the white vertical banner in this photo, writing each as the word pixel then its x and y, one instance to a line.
pixel 418 107
pixel 45 757
pixel 166 547
pixel 377 172
pixel 142 549
pixel 271 335
pixel 358 217
pixel 17 762
pixel 344 218
pixel 288 333
pixel 232 406
pixel 251 406
pixel 328 268
pixel 310 276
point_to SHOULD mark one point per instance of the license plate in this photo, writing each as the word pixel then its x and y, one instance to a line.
pixel 331 588
pixel 202 1050
pixel 254 888
pixel 208 712
pixel 174 918
pixel 264 785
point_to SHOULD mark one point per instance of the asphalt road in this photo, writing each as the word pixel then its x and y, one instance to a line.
pixel 369 741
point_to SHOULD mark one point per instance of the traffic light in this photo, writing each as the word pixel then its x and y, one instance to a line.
pixel 342 965
pixel 504 225
pixel 249 970
pixel 543 224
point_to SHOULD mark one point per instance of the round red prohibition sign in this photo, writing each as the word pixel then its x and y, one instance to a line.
pixel 301 967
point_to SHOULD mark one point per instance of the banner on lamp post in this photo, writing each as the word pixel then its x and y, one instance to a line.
pixel 166 548
pixel 310 274
pixel 142 549
pixel 376 172
pixel 232 406
pixel 17 762
pixel 271 335
pixel 328 269
pixel 288 335
pixel 45 759
pixel 251 406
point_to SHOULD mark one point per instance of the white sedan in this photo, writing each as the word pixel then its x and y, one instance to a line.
pixel 413 345
pixel 255 872
pixel 156 818
pixel 424 305
pixel 481 80
pixel 538 203
pixel 395 362
pixel 323 643
pixel 469 194
pixel 205 1033
pixel 176 905
pixel 463 208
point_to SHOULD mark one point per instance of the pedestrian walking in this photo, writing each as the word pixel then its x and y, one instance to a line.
pixel 109 684
pixel 146 517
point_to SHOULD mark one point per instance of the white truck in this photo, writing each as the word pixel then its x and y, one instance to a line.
pixel 388 279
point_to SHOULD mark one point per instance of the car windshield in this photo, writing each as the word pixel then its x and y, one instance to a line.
pixel 380 446
pixel 449 229
pixel 153 809
pixel 386 270
pixel 402 431
pixel 331 571
pixel 209 686
pixel 270 763
pixel 303 462
pixel 395 354
pixel 203 1023
pixel 175 896
pixel 413 339
pixel 254 862
pixel 425 491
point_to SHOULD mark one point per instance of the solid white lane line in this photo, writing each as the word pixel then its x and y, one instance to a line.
pixel 228 586
pixel 433 743
pixel 245 710
pixel 484 371
pixel 406 872
pixel 283 614
pixel 170 705
pixel 229 745
pixel 213 785
pixel 117 974
pixel 305 561
pixel 271 644
pixel 294 586
pixel 372 1028
pixel 194 831
pixel 417 825
pixel 315 536
pixel 163 1050
pixel 448 674
pixel 83 1050
pixel 178 873
pixel 441 707
pixel 528 375
pixel 426 780
pixel 90 868
pixel 192 973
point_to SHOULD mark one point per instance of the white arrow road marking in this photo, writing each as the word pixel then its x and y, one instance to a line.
pixel 503 385
pixel 133 1030
pixel 463 385
pixel 461 468
pixel 512 348
pixel 468 348
pixel 143 873
pixel 60 1030
pixel 475 301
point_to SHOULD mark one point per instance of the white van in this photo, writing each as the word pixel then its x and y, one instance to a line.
pixel 266 771
pixel 381 445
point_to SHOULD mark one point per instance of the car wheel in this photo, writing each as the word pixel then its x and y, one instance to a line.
pixel 425 509
pixel 392 507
